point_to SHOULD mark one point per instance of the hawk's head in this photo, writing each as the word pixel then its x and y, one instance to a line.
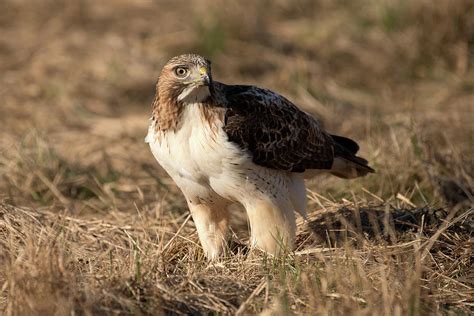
pixel 186 79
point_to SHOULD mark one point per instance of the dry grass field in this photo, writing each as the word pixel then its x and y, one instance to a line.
pixel 91 225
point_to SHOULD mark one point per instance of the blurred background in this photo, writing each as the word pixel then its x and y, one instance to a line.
pixel 90 224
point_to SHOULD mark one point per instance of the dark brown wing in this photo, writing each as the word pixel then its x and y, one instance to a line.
pixel 275 131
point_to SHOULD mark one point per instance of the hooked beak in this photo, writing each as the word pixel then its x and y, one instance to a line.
pixel 205 79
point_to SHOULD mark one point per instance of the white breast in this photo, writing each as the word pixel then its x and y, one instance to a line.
pixel 197 154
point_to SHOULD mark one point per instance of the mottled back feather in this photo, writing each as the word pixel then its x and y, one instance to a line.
pixel 274 130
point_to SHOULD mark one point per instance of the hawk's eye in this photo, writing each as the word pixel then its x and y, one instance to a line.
pixel 181 72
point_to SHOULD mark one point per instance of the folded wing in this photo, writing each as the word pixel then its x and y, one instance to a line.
pixel 280 136
pixel 275 131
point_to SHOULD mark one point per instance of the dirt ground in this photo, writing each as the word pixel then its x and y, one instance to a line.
pixel 91 225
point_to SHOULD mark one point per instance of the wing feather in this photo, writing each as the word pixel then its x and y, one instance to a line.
pixel 275 131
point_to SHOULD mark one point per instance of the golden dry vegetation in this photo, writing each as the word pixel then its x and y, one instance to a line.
pixel 90 224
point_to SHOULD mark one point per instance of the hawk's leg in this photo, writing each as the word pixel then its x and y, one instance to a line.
pixel 211 220
pixel 272 225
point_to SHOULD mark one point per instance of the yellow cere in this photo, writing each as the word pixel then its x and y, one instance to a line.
pixel 203 70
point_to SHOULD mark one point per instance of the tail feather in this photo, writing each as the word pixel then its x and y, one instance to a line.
pixel 347 143
pixel 346 164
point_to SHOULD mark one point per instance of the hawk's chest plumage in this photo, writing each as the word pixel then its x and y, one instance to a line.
pixel 198 152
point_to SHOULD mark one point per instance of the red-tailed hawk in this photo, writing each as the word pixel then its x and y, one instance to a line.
pixel 225 144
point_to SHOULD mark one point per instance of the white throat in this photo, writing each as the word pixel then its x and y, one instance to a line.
pixel 194 94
